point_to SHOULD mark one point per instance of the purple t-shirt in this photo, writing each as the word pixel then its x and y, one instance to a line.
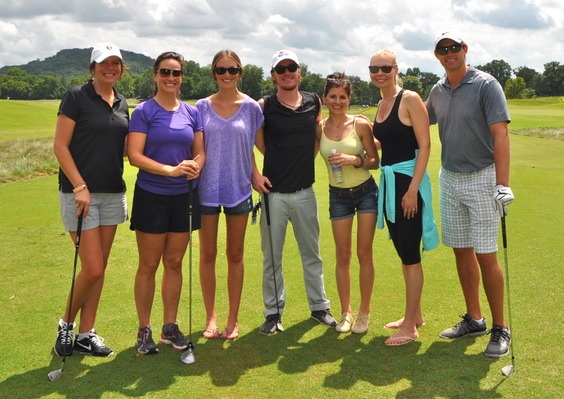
pixel 226 178
pixel 170 135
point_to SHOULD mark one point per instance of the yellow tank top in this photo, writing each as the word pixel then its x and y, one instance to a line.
pixel 351 145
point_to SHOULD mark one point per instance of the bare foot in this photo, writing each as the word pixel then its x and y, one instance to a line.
pixel 398 323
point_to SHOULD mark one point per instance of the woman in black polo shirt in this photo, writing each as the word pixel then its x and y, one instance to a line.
pixel 92 126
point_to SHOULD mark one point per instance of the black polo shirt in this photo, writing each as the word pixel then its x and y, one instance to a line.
pixel 98 140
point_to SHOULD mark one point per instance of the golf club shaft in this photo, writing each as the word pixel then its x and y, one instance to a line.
pixel 71 294
pixel 504 238
pixel 190 217
pixel 269 229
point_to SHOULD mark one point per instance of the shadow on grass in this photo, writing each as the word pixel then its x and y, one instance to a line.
pixel 126 373
pixel 443 370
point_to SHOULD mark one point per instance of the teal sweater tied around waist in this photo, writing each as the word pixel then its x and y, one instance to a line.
pixel 388 187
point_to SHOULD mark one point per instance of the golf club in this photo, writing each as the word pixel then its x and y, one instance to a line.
pixel 187 357
pixel 56 374
pixel 279 326
pixel 507 370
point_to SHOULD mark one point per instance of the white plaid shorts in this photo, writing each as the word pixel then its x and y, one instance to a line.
pixel 468 213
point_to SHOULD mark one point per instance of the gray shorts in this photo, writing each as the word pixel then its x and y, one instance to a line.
pixel 106 209
pixel 468 213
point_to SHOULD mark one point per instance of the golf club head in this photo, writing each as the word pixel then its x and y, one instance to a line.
pixel 279 326
pixel 508 370
pixel 188 357
pixel 55 375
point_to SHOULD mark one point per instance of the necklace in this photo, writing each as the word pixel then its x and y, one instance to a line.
pixel 291 106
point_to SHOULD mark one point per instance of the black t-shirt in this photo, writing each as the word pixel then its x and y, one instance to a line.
pixel 98 139
pixel 289 137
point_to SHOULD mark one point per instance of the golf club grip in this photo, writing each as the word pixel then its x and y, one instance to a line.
pixel 78 230
pixel 503 232
pixel 267 209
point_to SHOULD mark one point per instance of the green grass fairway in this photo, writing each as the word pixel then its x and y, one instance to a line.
pixel 307 360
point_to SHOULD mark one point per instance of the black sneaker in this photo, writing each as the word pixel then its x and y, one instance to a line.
pixel 270 325
pixel 500 341
pixel 92 345
pixel 171 335
pixel 63 344
pixel 145 344
pixel 324 317
pixel 468 327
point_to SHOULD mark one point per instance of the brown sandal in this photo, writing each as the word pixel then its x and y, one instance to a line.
pixel 213 334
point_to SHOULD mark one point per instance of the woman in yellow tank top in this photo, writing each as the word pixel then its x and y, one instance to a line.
pixel 346 142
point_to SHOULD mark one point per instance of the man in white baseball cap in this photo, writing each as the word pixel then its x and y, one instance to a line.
pixel 288 143
pixel 284 55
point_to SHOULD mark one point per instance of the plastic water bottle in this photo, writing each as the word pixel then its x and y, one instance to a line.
pixel 337 170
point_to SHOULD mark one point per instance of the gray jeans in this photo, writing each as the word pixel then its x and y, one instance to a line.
pixel 299 208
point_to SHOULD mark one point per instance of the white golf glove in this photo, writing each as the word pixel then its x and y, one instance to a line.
pixel 503 197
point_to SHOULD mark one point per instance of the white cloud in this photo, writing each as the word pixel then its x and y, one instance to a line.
pixel 327 35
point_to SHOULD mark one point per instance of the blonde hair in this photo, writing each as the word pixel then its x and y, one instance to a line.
pixel 392 55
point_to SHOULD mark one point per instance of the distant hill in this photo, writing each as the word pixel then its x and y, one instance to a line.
pixel 74 63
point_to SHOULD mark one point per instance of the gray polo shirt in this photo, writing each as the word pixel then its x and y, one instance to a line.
pixel 464 116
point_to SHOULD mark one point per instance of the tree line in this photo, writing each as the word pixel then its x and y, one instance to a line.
pixel 197 83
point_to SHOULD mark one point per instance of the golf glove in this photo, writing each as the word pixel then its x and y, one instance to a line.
pixel 503 197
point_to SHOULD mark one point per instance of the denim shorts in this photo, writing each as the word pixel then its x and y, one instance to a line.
pixel 345 202
pixel 243 208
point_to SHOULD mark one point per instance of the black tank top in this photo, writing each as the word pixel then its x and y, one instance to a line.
pixel 397 140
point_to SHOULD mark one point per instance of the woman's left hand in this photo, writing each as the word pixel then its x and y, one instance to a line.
pixel 409 205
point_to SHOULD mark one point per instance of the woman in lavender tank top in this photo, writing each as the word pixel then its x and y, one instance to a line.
pixel 231 120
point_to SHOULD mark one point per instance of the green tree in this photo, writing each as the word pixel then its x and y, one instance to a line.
pixel 48 87
pixel 499 69
pixel 514 87
pixel 126 86
pixel 17 84
pixel 251 82
pixel 552 83
pixel 412 83
pixel 312 82
pixel 145 85
pixel 529 75
pixel 427 80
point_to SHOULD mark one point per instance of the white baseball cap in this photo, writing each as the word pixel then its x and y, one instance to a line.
pixel 101 51
pixel 284 55
pixel 449 35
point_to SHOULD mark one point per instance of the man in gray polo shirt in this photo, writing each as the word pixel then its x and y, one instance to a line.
pixel 471 111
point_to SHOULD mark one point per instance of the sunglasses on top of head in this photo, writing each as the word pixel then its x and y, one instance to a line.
pixel 454 48
pixel 164 72
pixel 280 69
pixel 231 70
pixel 384 68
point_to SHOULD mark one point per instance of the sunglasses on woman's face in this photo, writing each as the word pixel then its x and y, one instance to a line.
pixel 280 69
pixel 454 48
pixel 384 68
pixel 222 70
pixel 164 72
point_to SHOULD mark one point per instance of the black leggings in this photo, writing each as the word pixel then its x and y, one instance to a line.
pixel 406 233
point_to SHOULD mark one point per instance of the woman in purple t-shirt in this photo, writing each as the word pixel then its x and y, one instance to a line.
pixel 166 143
pixel 231 120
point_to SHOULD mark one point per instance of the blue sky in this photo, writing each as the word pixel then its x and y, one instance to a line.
pixel 327 35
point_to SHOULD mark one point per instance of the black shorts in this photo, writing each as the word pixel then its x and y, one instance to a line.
pixel 406 233
pixel 158 214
